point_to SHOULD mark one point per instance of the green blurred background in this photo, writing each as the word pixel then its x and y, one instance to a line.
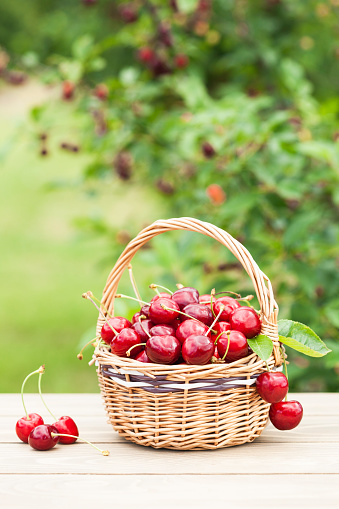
pixel 222 110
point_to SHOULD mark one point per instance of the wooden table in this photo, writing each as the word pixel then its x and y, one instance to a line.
pixel 290 469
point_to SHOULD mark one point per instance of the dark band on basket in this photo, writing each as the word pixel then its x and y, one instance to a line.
pixel 161 384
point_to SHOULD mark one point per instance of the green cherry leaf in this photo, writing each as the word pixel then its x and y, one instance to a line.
pixel 301 338
pixel 261 345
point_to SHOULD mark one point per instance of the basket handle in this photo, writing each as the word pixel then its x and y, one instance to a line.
pixel 261 283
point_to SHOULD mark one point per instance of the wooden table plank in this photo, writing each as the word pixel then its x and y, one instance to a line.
pixel 91 404
pixel 313 428
pixel 127 458
pixel 166 492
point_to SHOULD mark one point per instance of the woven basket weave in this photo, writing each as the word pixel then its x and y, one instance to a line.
pixel 182 406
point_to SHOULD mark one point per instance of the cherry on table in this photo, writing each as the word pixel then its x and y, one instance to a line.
pixel 272 386
pixel 235 344
pixel 185 296
pixel 163 349
pixel 246 320
pixel 41 437
pixel 189 327
pixel 118 323
pixel 229 304
pixel 286 414
pixel 124 341
pixel 163 310
pixel 199 312
pixel 197 349
pixel 66 425
pixel 25 425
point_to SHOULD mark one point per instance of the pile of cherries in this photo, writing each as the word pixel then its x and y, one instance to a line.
pixel 184 327
pixel 31 428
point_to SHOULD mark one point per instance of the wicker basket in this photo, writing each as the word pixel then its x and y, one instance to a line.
pixel 181 406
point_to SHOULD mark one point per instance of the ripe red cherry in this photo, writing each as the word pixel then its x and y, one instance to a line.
pixel 143 328
pixel 101 92
pixel 162 330
pixel 181 61
pixel 163 295
pixel 146 55
pixel 272 387
pixel 163 349
pixel 246 320
pixel 216 353
pixel 135 318
pixel 66 425
pixel 124 341
pixel 286 414
pixel 24 426
pixel 189 327
pixel 118 323
pixel 208 150
pixel 129 13
pixel 197 349
pixel 206 299
pixel 145 310
pixel 41 439
pixel 199 312
pixel 220 327
pixel 237 346
pixel 160 315
pixel 142 357
pixel 67 90
pixel 229 304
pixel 185 296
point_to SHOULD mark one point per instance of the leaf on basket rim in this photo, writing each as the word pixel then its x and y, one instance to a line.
pixel 262 345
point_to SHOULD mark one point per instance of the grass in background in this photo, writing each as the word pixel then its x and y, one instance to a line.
pixel 45 264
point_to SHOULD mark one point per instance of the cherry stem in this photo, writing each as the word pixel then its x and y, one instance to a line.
pixel 104 453
pixel 143 328
pixel 128 353
pixel 215 321
pixel 42 399
pixel 90 294
pixel 228 345
pixel 221 333
pixel 180 312
pixel 154 287
pixel 122 296
pixel 133 282
pixel 212 295
pixel 86 296
pixel 90 342
pixel 285 366
pixel 232 293
pixel 40 370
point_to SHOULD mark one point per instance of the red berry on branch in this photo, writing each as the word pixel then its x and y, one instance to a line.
pixel 208 150
pixel 129 13
pixel 181 61
pixel 101 91
pixel 67 90
pixel 216 194
pixel 146 55
pixel 123 165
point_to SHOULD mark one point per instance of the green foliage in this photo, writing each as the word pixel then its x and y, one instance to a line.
pixel 301 338
pixel 261 345
pixel 260 88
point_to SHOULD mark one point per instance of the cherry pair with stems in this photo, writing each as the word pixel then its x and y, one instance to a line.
pixel 31 428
